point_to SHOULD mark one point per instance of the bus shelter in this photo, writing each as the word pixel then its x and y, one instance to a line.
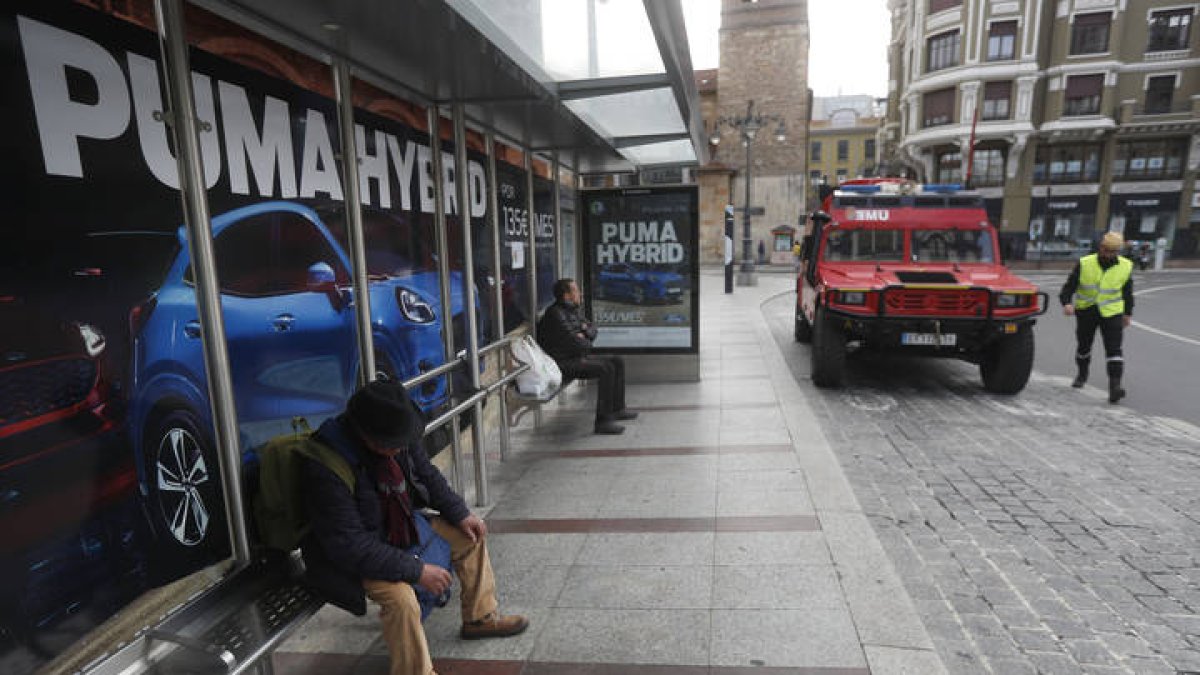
pixel 233 212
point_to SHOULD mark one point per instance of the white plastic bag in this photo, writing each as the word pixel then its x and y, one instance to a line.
pixel 543 375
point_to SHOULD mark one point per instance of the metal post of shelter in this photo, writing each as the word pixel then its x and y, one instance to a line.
pixel 558 228
pixel 462 180
pixel 442 245
pixel 185 128
pixel 358 259
pixel 498 286
pixel 531 256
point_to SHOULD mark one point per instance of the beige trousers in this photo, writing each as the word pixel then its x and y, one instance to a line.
pixel 400 613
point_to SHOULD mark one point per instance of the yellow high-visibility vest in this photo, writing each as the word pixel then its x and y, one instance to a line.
pixel 1102 287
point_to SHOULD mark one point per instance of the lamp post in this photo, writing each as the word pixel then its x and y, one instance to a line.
pixel 747 127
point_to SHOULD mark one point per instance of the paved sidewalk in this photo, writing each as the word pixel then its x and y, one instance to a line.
pixel 717 535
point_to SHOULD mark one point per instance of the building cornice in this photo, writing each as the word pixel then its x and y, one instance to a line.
pixel 950 77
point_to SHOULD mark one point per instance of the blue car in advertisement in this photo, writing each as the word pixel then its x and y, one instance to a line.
pixel 289 322
pixel 641 284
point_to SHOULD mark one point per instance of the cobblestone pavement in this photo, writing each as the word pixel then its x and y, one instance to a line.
pixel 1047 532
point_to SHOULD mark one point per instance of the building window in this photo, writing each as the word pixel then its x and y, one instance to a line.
pixel 948 166
pixel 1083 94
pixel 938 107
pixel 869 150
pixel 942 51
pixel 936 6
pixel 1077 163
pixel 1089 33
pixel 997 97
pixel 843 150
pixel 1159 91
pixel 814 177
pixel 1002 41
pixel 841 175
pixel 987 169
pixel 1150 160
pixel 814 154
pixel 1169 30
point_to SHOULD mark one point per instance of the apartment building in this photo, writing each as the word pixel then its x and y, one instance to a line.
pixel 1084 115
pixel 842 139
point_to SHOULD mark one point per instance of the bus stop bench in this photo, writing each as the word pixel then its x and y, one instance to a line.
pixel 230 628
pixel 523 403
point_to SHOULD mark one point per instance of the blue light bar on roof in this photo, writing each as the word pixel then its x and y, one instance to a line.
pixel 861 189
pixel 941 187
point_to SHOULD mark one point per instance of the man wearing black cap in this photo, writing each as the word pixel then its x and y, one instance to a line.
pixel 356 546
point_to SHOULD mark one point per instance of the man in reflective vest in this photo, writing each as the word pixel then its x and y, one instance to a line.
pixel 1099 294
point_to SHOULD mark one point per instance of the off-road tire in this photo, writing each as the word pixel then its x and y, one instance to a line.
pixel 803 331
pixel 1006 366
pixel 828 351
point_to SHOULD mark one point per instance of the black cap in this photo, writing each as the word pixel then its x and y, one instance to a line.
pixel 384 411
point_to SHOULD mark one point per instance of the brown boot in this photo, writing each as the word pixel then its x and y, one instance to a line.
pixel 494 625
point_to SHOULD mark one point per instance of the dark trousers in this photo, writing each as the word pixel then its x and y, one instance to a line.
pixel 610 370
pixel 1111 330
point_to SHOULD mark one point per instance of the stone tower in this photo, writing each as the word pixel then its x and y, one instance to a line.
pixel 764 58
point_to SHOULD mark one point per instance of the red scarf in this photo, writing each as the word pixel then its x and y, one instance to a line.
pixel 397 507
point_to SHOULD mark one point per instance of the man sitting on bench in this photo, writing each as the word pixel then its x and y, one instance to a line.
pixel 359 539
pixel 566 335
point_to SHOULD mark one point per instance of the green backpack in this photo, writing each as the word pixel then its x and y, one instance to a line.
pixel 279 508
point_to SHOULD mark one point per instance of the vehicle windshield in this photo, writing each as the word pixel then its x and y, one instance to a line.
pixel 849 245
pixel 395 247
pixel 953 245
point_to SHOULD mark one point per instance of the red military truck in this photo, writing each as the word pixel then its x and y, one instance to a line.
pixel 894 266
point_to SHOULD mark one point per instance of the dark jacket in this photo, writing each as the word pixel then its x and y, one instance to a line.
pixel 564 332
pixel 1067 295
pixel 348 541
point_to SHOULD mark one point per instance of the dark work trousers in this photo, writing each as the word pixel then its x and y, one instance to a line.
pixel 611 372
pixel 1111 329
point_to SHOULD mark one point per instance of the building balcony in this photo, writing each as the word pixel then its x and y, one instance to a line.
pixel 1180 116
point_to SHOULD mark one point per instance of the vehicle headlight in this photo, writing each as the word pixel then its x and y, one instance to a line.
pixel 93 340
pixel 1012 300
pixel 413 307
pixel 851 298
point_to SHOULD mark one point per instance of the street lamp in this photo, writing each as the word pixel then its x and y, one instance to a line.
pixel 748 126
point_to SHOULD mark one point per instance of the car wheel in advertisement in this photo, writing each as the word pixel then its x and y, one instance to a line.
pixel 184 501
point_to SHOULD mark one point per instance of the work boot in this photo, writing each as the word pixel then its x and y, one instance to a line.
pixel 626 414
pixel 608 427
pixel 494 625
pixel 1115 392
pixel 1081 378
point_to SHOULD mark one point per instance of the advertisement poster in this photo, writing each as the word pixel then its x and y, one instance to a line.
pixel 109 482
pixel 514 233
pixel 640 253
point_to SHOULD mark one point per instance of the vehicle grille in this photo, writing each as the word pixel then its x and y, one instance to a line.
pixel 935 302
pixel 34 390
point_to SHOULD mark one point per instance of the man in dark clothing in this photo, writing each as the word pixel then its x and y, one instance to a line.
pixel 356 546
pixel 1099 294
pixel 566 335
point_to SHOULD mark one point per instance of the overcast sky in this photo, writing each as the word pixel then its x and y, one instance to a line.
pixel 847 53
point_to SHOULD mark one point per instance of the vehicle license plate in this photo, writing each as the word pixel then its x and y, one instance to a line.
pixel 929 339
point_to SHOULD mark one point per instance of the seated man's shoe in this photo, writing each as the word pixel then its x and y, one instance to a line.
pixel 494 625
pixel 626 414
pixel 610 428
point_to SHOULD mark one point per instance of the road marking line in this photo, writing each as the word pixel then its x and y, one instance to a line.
pixel 1166 334
pixel 1156 289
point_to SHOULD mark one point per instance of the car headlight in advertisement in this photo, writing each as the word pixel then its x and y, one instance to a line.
pixel 850 297
pixel 93 340
pixel 1009 300
pixel 413 307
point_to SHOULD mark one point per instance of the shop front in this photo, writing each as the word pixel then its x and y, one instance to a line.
pixel 1149 219
pixel 1061 228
